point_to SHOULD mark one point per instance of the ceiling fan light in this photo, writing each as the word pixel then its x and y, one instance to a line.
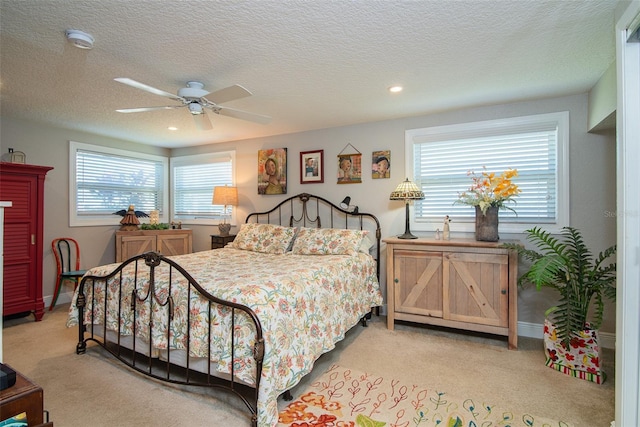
pixel 195 108
pixel 80 39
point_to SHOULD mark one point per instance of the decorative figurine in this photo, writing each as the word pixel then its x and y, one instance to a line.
pixel 445 230
pixel 437 234
pixel 130 220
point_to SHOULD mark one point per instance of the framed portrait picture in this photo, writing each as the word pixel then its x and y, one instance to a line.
pixel 349 168
pixel 381 164
pixel 311 167
pixel 272 171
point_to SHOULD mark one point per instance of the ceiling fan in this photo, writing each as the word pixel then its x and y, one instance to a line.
pixel 193 98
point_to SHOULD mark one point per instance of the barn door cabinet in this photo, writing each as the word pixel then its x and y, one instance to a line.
pixel 167 242
pixel 460 283
pixel 23 186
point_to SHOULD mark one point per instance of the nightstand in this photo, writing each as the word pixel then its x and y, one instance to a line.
pixel 23 396
pixel 218 241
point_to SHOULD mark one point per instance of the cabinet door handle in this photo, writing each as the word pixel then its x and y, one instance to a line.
pixel 396 280
pixel 33 239
pixel 503 292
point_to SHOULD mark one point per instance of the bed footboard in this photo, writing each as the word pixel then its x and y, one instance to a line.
pixel 170 332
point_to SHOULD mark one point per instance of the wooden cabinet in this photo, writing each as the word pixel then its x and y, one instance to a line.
pixel 167 242
pixel 23 186
pixel 218 241
pixel 23 396
pixel 459 283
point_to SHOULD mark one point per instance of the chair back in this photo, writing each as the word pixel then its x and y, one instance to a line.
pixel 67 252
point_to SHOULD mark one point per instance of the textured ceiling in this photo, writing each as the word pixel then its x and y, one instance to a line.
pixel 309 64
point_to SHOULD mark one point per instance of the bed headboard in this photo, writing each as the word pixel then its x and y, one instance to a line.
pixel 307 210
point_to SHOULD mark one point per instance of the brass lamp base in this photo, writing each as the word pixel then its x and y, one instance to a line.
pixel 407 234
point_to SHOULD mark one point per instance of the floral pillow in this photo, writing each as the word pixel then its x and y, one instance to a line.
pixel 327 241
pixel 266 238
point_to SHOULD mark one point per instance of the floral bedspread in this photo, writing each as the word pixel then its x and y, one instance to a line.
pixel 305 304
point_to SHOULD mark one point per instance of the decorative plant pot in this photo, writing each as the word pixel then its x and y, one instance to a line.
pixel 487 224
pixel 580 360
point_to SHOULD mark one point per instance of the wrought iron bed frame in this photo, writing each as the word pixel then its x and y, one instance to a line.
pixel 165 370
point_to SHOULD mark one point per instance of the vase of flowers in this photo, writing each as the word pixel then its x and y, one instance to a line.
pixel 488 194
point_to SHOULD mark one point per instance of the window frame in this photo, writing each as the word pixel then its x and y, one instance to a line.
pixel 97 220
pixel 200 159
pixel 499 125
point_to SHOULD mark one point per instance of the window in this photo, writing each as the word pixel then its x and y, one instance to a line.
pixel 439 159
pixel 192 182
pixel 105 180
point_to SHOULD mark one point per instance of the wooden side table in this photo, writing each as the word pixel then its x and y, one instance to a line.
pixel 23 396
pixel 457 283
pixel 218 241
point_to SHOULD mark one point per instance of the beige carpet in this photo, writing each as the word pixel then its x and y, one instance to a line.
pixel 94 389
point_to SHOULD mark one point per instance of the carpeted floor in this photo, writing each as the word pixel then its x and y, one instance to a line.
pixel 94 389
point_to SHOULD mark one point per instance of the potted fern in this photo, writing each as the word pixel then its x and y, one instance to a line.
pixel 567 265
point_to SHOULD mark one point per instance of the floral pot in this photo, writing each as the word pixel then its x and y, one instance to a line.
pixel 487 224
pixel 582 358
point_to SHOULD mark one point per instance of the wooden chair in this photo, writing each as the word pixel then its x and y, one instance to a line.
pixel 67 252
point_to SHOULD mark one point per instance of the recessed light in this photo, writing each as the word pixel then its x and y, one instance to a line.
pixel 395 89
pixel 172 128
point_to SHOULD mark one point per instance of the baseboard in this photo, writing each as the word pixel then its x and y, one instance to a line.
pixel 63 298
pixel 535 330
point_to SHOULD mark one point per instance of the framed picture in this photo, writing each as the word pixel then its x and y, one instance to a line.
pixel 272 171
pixel 311 167
pixel 381 164
pixel 349 168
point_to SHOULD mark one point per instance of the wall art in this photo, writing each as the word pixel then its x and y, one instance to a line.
pixel 312 167
pixel 349 166
pixel 381 164
pixel 272 171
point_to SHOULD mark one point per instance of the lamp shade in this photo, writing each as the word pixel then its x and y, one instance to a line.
pixel 227 196
pixel 407 190
pixel 345 203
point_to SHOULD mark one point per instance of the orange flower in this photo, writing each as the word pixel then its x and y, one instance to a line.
pixel 488 190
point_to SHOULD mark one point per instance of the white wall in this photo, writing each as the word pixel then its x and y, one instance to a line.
pixel 592 178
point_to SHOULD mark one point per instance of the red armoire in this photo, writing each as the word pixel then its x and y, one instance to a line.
pixel 23 186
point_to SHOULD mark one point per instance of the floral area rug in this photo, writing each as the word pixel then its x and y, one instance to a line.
pixel 348 398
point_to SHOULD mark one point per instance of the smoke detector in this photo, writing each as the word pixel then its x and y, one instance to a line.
pixel 80 39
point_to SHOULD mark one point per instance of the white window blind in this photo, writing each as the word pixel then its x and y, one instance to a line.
pixel 193 180
pixel 442 157
pixel 106 180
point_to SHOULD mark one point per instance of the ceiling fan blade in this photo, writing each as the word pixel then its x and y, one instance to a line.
pixel 228 94
pixel 147 88
pixel 143 109
pixel 202 121
pixel 242 115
